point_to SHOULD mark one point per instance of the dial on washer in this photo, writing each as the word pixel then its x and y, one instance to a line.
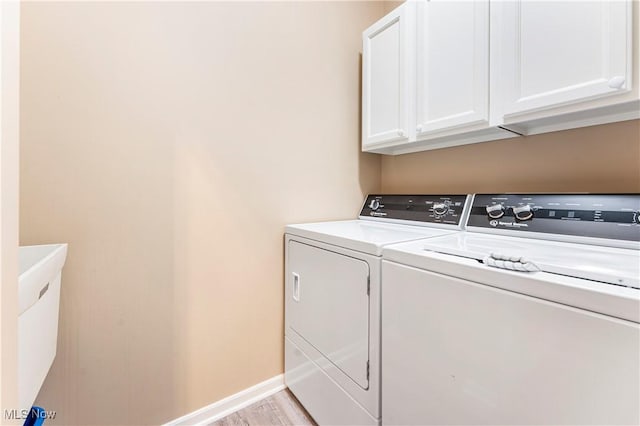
pixel 495 211
pixel 523 212
pixel 440 209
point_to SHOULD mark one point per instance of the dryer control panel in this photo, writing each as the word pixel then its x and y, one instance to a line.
pixel 609 216
pixel 439 209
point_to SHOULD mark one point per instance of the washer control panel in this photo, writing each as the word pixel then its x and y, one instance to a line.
pixel 610 216
pixel 444 209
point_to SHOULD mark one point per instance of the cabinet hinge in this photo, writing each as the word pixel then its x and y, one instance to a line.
pixel 367 370
pixel 368 285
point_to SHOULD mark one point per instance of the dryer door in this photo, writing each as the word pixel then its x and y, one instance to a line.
pixel 328 306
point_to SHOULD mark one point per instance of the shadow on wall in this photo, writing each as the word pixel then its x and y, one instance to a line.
pixel 593 159
pixel 369 165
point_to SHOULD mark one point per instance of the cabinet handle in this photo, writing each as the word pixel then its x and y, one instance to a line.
pixel 617 82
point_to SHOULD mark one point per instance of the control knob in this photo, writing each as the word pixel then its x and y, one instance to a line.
pixel 374 204
pixel 495 211
pixel 523 212
pixel 440 209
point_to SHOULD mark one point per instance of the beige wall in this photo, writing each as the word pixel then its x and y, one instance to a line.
pixel 389 5
pixel 169 144
pixel 592 159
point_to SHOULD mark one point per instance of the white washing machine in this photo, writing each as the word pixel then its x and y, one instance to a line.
pixel 531 316
pixel 332 301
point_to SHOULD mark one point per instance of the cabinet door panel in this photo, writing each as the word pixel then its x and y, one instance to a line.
pixel 562 52
pixel 452 64
pixel 384 94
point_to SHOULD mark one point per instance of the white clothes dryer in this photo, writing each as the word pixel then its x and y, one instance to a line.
pixel 332 301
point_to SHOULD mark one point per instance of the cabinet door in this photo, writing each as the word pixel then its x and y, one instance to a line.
pixel 555 53
pixel 452 79
pixel 384 79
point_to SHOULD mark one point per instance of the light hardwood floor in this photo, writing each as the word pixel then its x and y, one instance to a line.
pixel 279 409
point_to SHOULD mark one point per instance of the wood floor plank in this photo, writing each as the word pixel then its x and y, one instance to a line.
pixel 231 420
pixel 291 410
pixel 262 413
pixel 279 409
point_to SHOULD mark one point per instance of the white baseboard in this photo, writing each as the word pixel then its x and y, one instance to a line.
pixel 231 404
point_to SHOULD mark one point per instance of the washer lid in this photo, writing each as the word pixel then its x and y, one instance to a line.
pixel 361 235
pixel 596 263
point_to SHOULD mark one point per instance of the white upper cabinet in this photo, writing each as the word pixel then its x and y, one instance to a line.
pixel 439 73
pixel 554 54
pixel 384 79
pixel 452 66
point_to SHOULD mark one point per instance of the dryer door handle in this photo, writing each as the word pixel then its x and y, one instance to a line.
pixel 296 286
